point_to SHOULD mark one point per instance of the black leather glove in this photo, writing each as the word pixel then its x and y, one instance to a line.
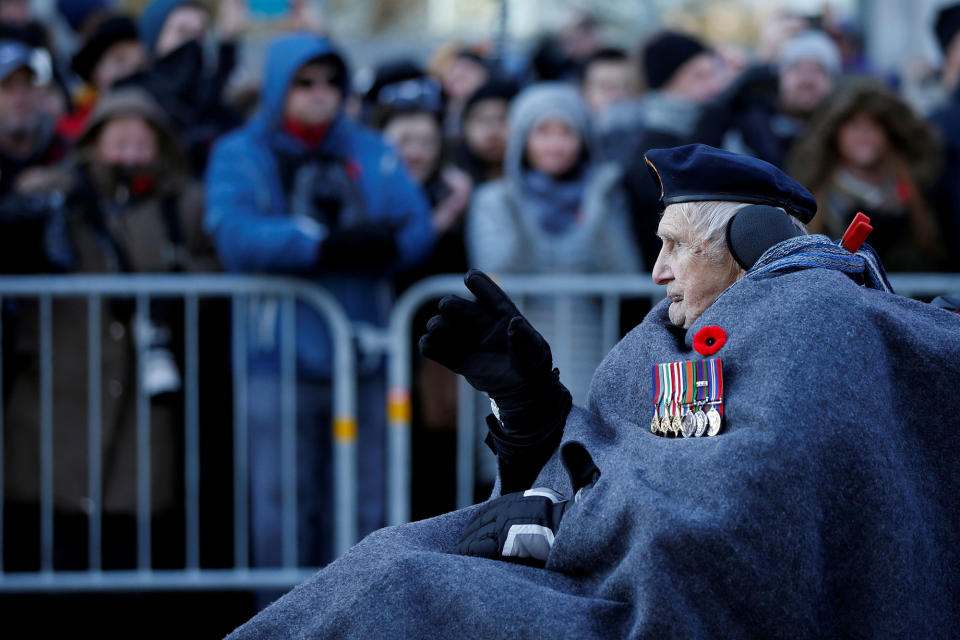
pixel 521 526
pixel 491 344
pixel 363 247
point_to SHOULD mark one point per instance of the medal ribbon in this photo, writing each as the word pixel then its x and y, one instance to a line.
pixel 701 389
pixel 665 390
pixel 655 375
pixel 716 384
pixel 690 381
pixel 678 391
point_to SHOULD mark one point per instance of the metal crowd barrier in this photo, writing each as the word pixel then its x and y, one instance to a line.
pixel 143 288
pixel 609 289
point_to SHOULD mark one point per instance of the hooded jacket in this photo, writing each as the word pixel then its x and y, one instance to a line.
pixel 251 214
pixel 505 235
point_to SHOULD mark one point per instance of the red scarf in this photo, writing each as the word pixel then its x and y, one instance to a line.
pixel 309 134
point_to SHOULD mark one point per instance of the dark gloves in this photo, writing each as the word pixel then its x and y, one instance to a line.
pixel 491 344
pixel 362 247
pixel 522 526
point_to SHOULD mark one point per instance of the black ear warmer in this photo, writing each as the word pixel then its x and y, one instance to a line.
pixel 756 228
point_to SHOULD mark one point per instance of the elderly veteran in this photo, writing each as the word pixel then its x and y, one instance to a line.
pixel 811 494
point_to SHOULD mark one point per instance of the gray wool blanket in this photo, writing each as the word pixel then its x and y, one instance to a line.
pixel 826 507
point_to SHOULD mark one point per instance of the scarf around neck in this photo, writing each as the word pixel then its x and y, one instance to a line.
pixel 553 203
pixel 819 252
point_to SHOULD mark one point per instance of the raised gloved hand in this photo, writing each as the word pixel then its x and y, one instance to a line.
pixel 367 247
pixel 491 344
pixel 521 526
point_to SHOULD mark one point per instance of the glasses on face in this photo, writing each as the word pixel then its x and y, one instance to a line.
pixel 421 93
pixel 309 82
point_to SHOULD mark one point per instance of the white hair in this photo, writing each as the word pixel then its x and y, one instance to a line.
pixel 708 221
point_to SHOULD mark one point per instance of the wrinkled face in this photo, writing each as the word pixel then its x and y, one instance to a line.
pixel 606 82
pixel 553 147
pixel 119 61
pixel 692 279
pixel 182 26
pixel 314 98
pixel 485 130
pixel 861 141
pixel 698 79
pixel 417 139
pixel 462 78
pixel 19 101
pixel 803 85
pixel 127 142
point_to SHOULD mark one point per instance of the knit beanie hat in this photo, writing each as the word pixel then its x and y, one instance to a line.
pixel 117 28
pixel 665 53
pixel 811 45
pixel 947 25
pixel 498 89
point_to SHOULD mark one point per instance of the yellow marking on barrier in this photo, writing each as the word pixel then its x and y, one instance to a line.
pixel 398 406
pixel 345 429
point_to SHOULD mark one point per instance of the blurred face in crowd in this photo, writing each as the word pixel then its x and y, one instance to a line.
pixel 951 63
pixel 606 82
pixel 693 280
pixel 553 147
pixel 314 97
pixel 19 101
pixel 121 60
pixel 127 142
pixel 15 12
pixel 861 141
pixel 803 85
pixel 462 78
pixel 418 141
pixel 485 130
pixel 697 79
pixel 182 25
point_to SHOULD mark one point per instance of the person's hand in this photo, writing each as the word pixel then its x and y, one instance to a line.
pixel 517 526
pixel 491 344
pixel 233 19
pixel 451 209
pixel 487 341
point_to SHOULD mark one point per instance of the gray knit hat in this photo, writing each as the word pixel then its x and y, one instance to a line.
pixel 811 45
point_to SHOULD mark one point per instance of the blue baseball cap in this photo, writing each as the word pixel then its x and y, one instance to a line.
pixel 697 172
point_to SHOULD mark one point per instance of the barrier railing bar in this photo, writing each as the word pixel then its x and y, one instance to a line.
pixel 141 324
pixel 94 430
pixel 611 320
pixel 288 430
pixel 46 436
pixel 466 442
pixel 2 471
pixel 238 314
pixel 156 580
pixel 192 432
pixel 564 325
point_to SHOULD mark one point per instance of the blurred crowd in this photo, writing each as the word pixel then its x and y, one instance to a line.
pixel 138 152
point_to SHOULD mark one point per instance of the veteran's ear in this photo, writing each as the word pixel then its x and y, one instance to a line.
pixel 756 228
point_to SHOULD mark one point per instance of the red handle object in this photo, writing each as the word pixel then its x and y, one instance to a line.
pixel 856 233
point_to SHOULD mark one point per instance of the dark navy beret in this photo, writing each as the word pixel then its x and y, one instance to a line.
pixel 696 172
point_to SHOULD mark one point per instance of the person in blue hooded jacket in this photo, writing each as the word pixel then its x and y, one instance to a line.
pixel 303 190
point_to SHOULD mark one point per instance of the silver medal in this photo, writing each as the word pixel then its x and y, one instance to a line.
pixel 689 424
pixel 713 416
pixel 702 423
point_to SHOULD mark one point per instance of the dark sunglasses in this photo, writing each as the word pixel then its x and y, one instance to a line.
pixel 309 83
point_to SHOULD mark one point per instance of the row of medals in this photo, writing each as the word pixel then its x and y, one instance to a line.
pixel 693 424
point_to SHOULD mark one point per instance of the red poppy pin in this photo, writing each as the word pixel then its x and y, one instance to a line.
pixel 709 340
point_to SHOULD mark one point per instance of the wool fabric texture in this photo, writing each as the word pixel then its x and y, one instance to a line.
pixel 826 507
pixel 553 202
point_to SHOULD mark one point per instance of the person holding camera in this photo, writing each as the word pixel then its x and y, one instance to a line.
pixel 301 189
